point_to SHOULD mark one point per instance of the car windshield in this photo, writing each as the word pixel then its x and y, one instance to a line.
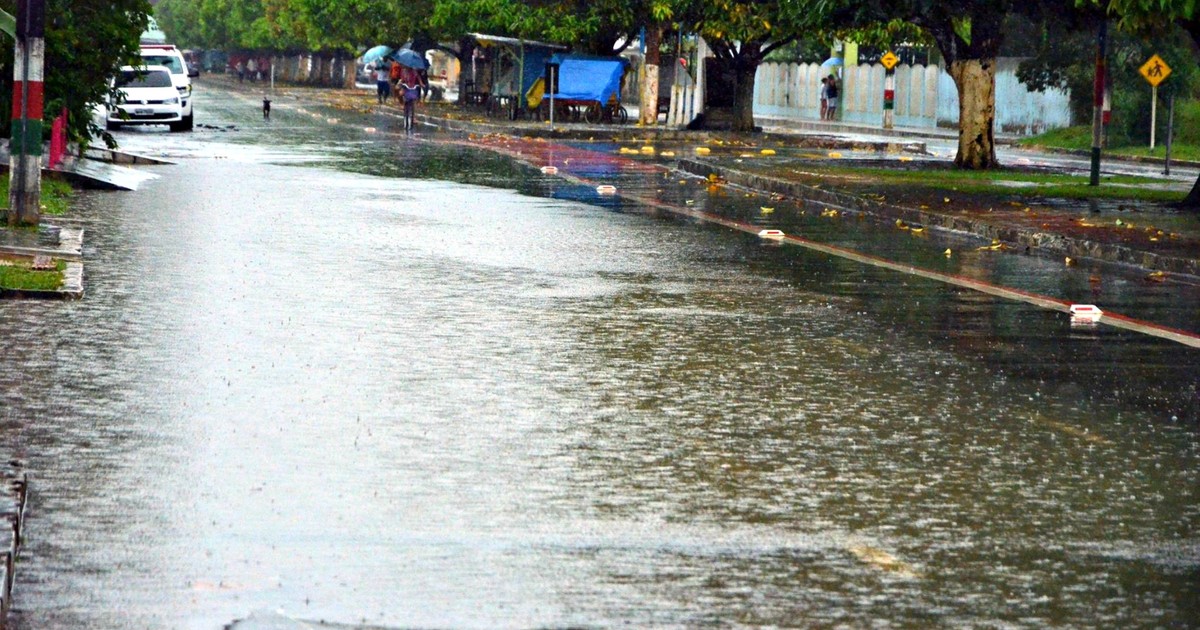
pixel 171 62
pixel 143 78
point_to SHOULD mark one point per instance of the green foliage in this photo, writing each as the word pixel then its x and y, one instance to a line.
pixel 1150 17
pixel 1187 122
pixel 86 42
pixel 352 25
pixel 969 29
pixel 808 50
pixel 1064 57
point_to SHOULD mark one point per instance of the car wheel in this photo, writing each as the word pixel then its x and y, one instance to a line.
pixel 184 125
pixel 112 125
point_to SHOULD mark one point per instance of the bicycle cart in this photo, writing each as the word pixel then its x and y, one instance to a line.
pixel 589 89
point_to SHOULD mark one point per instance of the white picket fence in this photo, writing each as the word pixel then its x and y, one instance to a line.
pixel 925 97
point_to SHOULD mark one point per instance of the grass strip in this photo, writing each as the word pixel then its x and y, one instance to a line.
pixel 16 275
pixel 1080 139
pixel 56 195
pixel 1011 183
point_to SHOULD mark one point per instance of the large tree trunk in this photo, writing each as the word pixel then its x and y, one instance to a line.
pixel 743 95
pixel 1192 201
pixel 976 83
pixel 466 51
pixel 648 99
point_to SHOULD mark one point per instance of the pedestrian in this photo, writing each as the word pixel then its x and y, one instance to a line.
pixel 252 69
pixel 824 96
pixel 410 86
pixel 383 89
pixel 832 98
pixel 424 73
pixel 394 77
pixel 241 70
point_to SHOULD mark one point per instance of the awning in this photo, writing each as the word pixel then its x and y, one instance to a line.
pixel 492 40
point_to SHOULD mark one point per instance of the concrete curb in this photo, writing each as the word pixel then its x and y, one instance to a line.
pixel 633 133
pixel 70 250
pixel 1041 243
pixel 14 495
pixel 116 156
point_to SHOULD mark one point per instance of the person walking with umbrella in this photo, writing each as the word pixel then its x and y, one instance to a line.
pixel 383 87
pixel 394 77
pixel 411 84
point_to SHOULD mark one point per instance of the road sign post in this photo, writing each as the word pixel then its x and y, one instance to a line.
pixel 889 61
pixel 1170 134
pixel 1153 114
pixel 1155 71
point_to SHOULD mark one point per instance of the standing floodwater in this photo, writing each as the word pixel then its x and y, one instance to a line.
pixel 324 372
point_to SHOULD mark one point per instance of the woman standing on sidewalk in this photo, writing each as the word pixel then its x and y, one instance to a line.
pixel 831 92
pixel 824 97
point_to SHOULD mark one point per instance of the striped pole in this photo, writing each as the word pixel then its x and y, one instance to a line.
pixel 889 98
pixel 25 147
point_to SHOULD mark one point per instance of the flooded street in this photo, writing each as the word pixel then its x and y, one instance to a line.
pixel 339 374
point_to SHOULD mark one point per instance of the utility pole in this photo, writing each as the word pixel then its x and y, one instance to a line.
pixel 1098 102
pixel 25 146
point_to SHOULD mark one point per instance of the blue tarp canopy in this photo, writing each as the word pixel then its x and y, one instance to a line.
pixel 589 78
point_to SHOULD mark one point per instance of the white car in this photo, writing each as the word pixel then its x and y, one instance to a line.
pixel 147 97
pixel 172 59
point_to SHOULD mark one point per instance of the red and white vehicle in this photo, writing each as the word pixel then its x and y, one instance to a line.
pixel 171 58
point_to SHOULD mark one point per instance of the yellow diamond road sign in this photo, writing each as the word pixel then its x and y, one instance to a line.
pixel 889 60
pixel 1155 70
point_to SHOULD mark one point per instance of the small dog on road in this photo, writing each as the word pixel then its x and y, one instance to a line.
pixel 266 109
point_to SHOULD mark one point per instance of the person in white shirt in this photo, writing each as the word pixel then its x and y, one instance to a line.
pixel 383 84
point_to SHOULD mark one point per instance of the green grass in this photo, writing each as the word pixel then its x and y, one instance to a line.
pixel 1012 183
pixel 1080 139
pixel 56 195
pixel 1073 138
pixel 19 276
pixel 1189 152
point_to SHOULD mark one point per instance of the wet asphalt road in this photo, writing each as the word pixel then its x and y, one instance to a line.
pixel 351 376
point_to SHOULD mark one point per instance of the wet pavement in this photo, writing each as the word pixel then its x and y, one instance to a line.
pixel 337 373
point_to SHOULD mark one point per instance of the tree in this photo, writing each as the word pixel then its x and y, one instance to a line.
pixel 741 34
pixel 969 34
pixel 601 27
pixel 87 41
pixel 1058 63
pixel 1148 17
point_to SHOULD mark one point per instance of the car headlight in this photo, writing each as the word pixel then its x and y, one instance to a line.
pixel 171 101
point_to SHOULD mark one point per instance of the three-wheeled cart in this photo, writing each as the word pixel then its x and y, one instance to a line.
pixel 589 88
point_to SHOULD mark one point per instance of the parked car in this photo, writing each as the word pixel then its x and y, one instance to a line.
pixel 171 58
pixel 147 97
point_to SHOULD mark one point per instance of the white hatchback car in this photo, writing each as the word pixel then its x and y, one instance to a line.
pixel 148 97
pixel 172 59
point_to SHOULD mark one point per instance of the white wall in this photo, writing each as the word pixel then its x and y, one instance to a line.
pixel 925 97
